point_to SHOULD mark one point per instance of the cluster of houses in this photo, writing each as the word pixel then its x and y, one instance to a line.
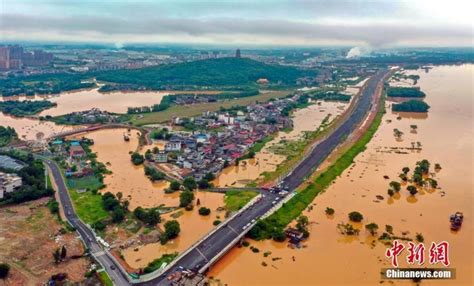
pixel 9 182
pixel 223 137
pixel 74 155
pixel 93 115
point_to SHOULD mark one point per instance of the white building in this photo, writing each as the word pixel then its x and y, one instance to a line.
pixel 8 183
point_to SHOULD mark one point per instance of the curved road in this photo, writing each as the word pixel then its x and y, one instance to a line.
pixel 97 251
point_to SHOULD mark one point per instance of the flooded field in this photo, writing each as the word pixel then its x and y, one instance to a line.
pixel 306 119
pixel 329 258
pixel 193 227
pixel 85 99
pixel 116 102
pixel 32 129
pixel 113 151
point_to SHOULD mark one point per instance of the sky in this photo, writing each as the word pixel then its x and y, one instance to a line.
pixel 374 23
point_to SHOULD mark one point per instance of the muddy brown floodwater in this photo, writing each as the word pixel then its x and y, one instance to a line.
pixel 140 191
pixel 32 129
pixel 305 119
pixel 116 102
pixel 127 178
pixel 329 258
pixel 193 227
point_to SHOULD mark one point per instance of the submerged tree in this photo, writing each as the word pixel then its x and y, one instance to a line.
pixel 412 189
pixel 372 228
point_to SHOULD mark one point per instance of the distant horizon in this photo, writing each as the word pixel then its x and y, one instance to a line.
pixel 266 23
pixel 217 45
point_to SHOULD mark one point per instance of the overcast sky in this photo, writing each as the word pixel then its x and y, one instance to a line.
pixel 337 22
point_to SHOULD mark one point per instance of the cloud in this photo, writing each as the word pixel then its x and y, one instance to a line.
pixel 298 23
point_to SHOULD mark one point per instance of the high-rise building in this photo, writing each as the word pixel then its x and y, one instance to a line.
pixel 13 57
pixel 237 53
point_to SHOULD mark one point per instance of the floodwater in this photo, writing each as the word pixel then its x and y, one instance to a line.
pixel 193 227
pixel 32 129
pixel 305 119
pixel 85 99
pixel 116 102
pixel 329 258
pixel 127 178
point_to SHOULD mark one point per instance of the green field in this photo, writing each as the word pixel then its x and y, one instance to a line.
pixel 88 205
pixel 235 200
pixel 104 278
pixel 156 264
pixel 197 109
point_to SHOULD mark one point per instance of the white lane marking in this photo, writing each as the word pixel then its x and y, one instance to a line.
pixel 202 254
pixel 233 229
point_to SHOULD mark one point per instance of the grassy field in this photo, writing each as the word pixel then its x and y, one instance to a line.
pixel 293 208
pixel 156 264
pixel 104 278
pixel 88 205
pixel 235 200
pixel 294 151
pixel 197 109
pixel 90 182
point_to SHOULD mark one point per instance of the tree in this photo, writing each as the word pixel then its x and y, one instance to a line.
pixel 405 170
pixel 118 215
pixel 419 237
pixel 204 184
pixel 355 216
pixel 172 229
pixel 109 201
pixel 186 198
pixel 137 158
pixel 390 192
pixel 4 270
pixel 329 211
pixel 152 217
pixel 99 225
pixel 63 252
pixel 204 211
pixel 403 176
pixel 175 185
pixel 57 255
pixel 189 183
pixel 53 206
pixel 433 183
pixel 424 166
pixel 395 186
pixel 412 189
pixel 279 235
pixel 372 228
pixel 302 225
pixel 209 176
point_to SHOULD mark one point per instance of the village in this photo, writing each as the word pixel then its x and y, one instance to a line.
pixel 212 141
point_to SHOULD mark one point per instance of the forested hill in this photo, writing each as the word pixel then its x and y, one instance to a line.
pixel 212 72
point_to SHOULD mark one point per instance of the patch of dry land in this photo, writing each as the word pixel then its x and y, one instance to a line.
pixel 331 258
pixel 29 234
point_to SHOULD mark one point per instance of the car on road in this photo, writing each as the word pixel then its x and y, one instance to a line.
pixel 112 267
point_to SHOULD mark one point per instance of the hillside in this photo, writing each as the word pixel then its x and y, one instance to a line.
pixel 212 72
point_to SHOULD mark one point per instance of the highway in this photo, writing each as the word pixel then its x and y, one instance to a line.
pixel 325 147
pixel 197 258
